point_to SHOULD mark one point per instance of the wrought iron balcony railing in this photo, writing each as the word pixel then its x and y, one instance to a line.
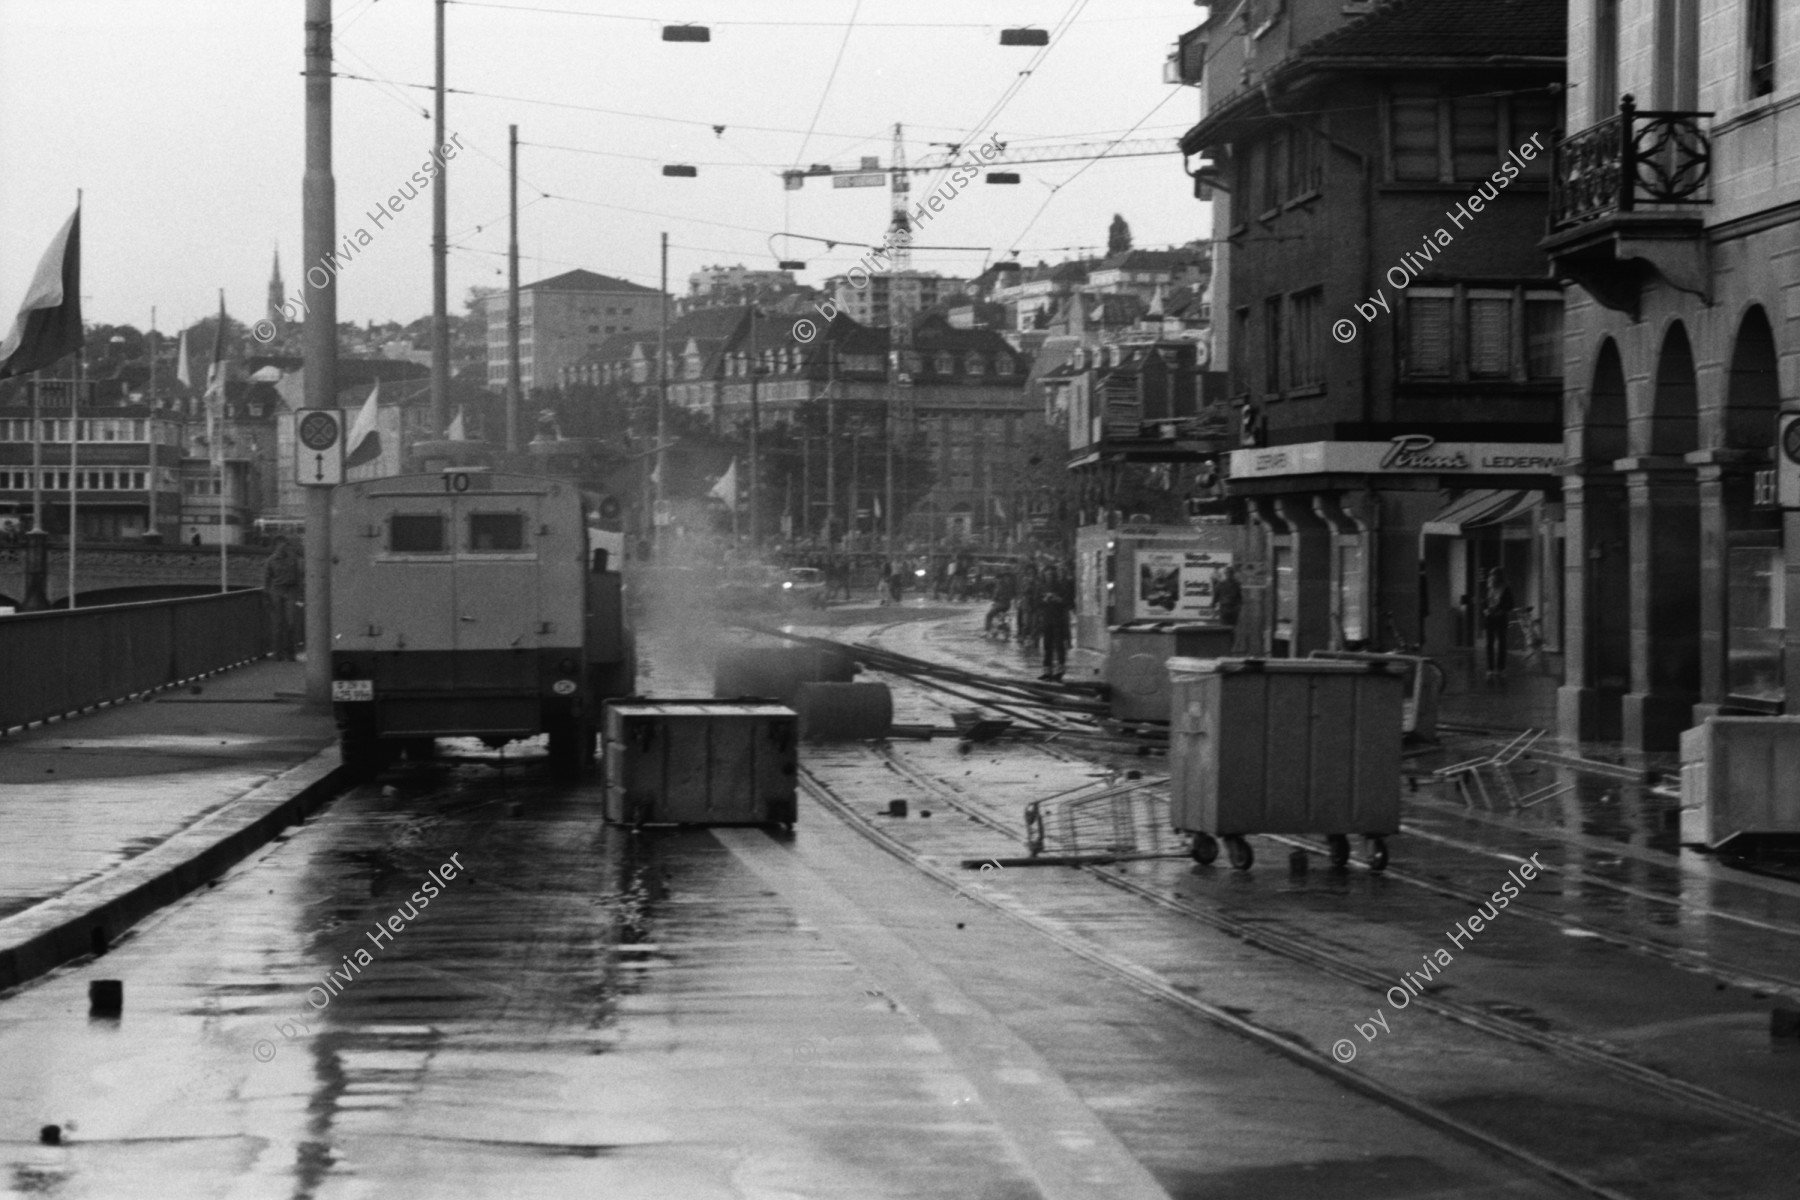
pixel 1631 159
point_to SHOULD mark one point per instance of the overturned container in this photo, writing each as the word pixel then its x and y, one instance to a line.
pixel 701 762
pixel 776 672
pixel 1284 746
pixel 1738 781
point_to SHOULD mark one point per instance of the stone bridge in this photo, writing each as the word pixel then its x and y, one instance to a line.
pixel 122 574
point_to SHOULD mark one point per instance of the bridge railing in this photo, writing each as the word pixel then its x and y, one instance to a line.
pixel 54 664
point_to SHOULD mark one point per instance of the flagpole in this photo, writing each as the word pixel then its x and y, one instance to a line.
pixel 74 474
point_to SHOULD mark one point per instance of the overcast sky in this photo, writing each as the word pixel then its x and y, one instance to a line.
pixel 182 120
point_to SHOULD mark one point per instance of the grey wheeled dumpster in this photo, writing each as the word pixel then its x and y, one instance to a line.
pixel 1137 655
pixel 1284 746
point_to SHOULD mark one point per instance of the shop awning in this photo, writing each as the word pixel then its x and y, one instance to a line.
pixel 1480 508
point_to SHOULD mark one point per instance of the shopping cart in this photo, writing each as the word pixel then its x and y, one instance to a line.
pixel 1116 818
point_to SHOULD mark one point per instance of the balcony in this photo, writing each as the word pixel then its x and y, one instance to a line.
pixel 1625 205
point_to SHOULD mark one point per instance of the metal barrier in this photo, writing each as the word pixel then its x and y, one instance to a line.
pixel 54 664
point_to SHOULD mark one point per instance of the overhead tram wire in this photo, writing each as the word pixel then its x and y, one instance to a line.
pixel 593 108
pixel 728 22
pixel 1017 84
pixel 1084 166
pixel 800 155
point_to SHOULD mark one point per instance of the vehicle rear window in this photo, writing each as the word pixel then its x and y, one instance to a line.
pixel 416 533
pixel 496 531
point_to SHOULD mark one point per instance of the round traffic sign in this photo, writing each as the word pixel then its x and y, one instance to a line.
pixel 318 430
pixel 1790 441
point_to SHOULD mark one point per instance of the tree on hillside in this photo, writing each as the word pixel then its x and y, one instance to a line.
pixel 1118 236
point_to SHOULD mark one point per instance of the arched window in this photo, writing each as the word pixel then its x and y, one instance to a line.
pixel 977 366
pixel 1003 365
pixel 945 364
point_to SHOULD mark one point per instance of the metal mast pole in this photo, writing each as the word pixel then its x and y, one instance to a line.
pixel 662 389
pixel 830 441
pixel 755 421
pixel 440 260
pixel 150 426
pixel 512 292
pixel 319 201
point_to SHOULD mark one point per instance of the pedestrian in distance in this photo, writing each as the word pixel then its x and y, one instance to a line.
pixel 284 581
pixel 1228 597
pixel 1496 619
pixel 1053 627
pixel 1005 592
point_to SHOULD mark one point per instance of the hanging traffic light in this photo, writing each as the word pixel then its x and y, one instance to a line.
pixel 687 33
pixel 1024 37
pixel 792 264
pixel 1003 177
pixel 680 170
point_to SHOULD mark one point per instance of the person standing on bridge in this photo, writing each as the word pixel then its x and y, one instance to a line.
pixel 284 579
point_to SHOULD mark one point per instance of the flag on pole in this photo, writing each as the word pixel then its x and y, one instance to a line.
pixel 457 432
pixel 726 488
pixel 184 374
pixel 215 391
pixel 364 443
pixel 49 321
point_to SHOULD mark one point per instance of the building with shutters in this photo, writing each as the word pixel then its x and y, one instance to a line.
pixel 1391 336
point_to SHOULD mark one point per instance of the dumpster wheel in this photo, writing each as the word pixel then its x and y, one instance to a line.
pixel 1238 850
pixel 1205 849
pixel 1378 857
pixel 1340 849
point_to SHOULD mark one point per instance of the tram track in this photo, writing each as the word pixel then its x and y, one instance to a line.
pixel 1307 952
pixel 1154 984
pixel 1734 975
pixel 1581 1055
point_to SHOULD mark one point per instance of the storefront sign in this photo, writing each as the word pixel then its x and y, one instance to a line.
pixel 1178 584
pixel 1409 454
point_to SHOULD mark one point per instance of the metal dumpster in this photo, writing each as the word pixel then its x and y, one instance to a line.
pixel 701 762
pixel 1137 675
pixel 1284 746
pixel 1424 684
pixel 1738 779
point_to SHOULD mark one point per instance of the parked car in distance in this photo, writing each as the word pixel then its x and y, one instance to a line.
pixel 803 585
pixel 751 585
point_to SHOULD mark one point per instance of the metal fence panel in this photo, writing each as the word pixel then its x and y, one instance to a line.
pixel 56 663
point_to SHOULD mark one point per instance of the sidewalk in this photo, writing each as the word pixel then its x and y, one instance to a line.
pixel 109 811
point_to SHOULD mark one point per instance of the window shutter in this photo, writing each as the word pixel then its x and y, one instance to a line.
pixel 1490 338
pixel 1414 133
pixel 1474 137
pixel 1428 336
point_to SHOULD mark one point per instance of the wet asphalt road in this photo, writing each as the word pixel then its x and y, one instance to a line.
pixel 581 1011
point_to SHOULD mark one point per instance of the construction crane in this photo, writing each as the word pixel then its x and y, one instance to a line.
pixel 870 172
